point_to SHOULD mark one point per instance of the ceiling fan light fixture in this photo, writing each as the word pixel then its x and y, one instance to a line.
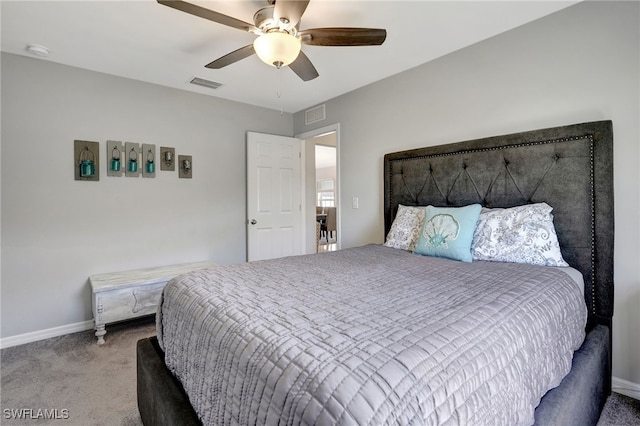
pixel 277 49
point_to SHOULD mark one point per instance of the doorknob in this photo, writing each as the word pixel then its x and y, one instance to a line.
pixel 253 221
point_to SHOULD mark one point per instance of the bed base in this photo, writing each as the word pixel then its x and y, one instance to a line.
pixel 581 395
pixel 161 398
pixel 577 400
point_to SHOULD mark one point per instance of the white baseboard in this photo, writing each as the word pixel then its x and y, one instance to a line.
pixel 625 387
pixel 21 339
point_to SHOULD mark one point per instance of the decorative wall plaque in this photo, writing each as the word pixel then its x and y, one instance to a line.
pixel 86 160
pixel 185 166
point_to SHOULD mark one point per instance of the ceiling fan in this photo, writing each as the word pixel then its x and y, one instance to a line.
pixel 279 38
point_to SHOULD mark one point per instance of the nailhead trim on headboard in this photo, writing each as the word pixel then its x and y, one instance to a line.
pixel 593 226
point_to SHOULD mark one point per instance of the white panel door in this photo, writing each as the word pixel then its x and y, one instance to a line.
pixel 274 194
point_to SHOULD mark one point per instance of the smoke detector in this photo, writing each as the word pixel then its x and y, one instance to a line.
pixel 36 49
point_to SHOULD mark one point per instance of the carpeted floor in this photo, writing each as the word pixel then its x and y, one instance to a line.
pixel 96 385
pixel 620 410
pixel 81 383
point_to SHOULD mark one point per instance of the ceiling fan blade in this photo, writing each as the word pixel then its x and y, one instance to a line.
pixel 291 10
pixel 343 36
pixel 230 58
pixel 303 67
pixel 208 14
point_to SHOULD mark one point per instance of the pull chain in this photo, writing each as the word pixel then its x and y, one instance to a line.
pixel 279 91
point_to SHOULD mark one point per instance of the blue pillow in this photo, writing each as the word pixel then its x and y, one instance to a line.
pixel 448 232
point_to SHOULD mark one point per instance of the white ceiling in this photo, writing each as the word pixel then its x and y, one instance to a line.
pixel 143 40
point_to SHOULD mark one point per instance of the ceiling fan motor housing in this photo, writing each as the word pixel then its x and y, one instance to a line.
pixel 263 18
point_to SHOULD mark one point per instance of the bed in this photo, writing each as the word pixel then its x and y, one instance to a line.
pixel 371 352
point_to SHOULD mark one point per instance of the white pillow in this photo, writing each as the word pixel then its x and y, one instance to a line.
pixel 405 228
pixel 523 234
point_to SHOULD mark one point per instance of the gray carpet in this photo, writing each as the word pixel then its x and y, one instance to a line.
pixel 84 384
pixel 95 384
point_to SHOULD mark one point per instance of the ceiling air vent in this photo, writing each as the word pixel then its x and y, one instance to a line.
pixel 206 83
pixel 315 114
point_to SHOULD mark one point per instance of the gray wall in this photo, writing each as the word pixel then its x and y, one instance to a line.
pixel 57 231
pixel 580 64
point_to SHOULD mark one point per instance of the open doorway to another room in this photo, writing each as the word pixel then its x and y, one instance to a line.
pixel 326 194
pixel 317 188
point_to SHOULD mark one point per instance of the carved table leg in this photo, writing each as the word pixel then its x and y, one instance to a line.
pixel 100 332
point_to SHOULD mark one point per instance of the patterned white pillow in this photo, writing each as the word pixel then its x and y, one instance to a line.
pixel 405 228
pixel 523 234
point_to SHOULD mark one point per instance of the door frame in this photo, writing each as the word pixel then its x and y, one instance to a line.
pixel 309 231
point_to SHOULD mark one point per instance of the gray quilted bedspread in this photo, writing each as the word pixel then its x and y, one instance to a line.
pixel 370 336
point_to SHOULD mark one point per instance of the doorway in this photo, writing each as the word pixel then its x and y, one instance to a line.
pixel 321 184
pixel 326 202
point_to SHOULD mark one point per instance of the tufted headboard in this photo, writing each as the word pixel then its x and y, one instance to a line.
pixel 569 167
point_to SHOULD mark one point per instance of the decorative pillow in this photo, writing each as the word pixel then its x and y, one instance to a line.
pixel 405 228
pixel 523 234
pixel 448 232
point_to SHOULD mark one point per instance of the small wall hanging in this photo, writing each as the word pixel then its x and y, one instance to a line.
pixel 149 160
pixel 115 158
pixel 86 160
pixel 185 166
pixel 132 159
pixel 167 158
